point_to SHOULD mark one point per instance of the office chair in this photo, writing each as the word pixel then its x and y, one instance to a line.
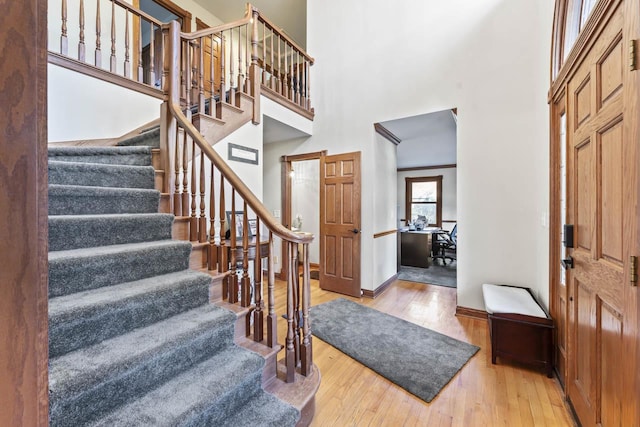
pixel 445 244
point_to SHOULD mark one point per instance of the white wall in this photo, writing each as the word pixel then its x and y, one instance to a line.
pixel 82 107
pixel 449 192
pixel 488 58
pixel 384 211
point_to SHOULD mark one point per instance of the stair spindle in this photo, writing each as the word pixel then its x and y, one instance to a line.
pixel 272 80
pixel 152 72
pixel 81 46
pixel 184 202
pixel 296 303
pixel 127 63
pixel 264 53
pixel 202 225
pixel 140 73
pixel 193 223
pixel 306 363
pixel 112 67
pixel 233 277
pixel 245 299
pixel 212 100
pixel 258 312
pixel 248 49
pixel 298 78
pixel 223 265
pixel 272 320
pixel 213 255
pixel 177 208
pixel 201 101
pixel 223 49
pixel 98 53
pixel 232 91
pixel 308 91
pixel 280 73
pixel 290 352
pixel 240 69
pixel 64 42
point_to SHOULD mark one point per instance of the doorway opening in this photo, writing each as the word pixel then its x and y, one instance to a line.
pixel 427 196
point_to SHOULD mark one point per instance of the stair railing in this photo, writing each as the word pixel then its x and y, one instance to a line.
pixel 216 199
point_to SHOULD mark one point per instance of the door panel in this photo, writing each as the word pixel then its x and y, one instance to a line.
pixel 600 164
pixel 340 223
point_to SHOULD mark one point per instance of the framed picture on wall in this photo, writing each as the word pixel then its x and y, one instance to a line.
pixel 239 225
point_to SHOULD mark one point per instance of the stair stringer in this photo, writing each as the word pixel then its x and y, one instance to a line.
pixel 229 119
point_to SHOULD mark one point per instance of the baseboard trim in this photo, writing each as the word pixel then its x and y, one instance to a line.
pixel 380 289
pixel 471 312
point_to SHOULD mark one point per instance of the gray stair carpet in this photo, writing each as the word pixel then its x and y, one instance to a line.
pixel 149 137
pixel 133 340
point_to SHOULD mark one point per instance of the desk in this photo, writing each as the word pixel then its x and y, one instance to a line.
pixel 415 246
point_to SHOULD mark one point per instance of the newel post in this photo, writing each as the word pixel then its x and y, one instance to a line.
pixel 254 71
pixel 168 124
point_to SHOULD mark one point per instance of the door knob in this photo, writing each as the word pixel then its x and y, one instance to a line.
pixel 567 263
pixel 355 231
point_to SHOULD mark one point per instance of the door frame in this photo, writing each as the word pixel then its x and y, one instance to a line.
pixel 286 199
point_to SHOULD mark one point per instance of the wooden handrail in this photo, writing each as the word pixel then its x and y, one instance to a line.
pixel 224 27
pixel 138 12
pixel 173 101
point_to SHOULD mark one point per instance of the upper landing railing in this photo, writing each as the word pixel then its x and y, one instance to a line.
pixel 115 39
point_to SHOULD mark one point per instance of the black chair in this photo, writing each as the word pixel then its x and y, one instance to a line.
pixel 444 245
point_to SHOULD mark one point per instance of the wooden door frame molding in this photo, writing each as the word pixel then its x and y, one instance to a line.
pixel 24 229
pixel 286 199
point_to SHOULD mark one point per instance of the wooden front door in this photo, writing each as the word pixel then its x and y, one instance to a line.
pixel 340 223
pixel 602 191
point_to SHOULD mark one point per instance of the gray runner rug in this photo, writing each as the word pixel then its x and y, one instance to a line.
pixel 417 359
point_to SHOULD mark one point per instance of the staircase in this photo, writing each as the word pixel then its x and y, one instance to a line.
pixel 133 339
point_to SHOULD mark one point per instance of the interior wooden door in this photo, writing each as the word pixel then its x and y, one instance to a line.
pixel 601 204
pixel 340 223
pixel 211 74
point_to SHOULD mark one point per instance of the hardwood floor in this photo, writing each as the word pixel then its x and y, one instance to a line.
pixel 481 394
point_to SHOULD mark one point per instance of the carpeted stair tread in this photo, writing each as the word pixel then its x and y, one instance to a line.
pixel 87 383
pixel 149 138
pixel 206 395
pixel 101 175
pixel 84 231
pixel 254 413
pixel 80 200
pixel 77 270
pixel 86 318
pixel 138 156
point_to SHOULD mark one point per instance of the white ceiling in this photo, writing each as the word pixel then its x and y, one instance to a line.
pixel 427 139
pixel 291 15
pixel 275 131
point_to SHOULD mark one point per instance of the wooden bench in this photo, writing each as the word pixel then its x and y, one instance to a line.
pixel 521 329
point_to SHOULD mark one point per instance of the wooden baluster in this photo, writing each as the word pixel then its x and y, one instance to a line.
pixel 193 222
pixel 112 67
pixel 127 63
pixel 248 50
pixel 245 299
pixel 201 77
pixel 98 53
pixel 233 277
pixel 140 73
pixel 232 90
pixel 258 313
pixel 272 80
pixel 280 73
pixel 306 354
pixel 184 202
pixel 212 100
pixel 188 71
pixel 264 53
pixel 213 254
pixel 296 302
pixel 290 352
pixel 81 47
pixel 177 209
pixel 292 83
pixel 223 48
pixel 223 264
pixel 202 226
pixel 64 42
pixel 240 69
pixel 298 79
pixel 303 100
pixel 152 72
pixel 308 91
pixel 272 320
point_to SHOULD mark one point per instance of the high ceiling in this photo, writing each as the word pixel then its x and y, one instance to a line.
pixel 427 139
pixel 291 15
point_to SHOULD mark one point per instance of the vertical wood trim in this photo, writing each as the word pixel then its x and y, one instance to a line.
pixel 23 229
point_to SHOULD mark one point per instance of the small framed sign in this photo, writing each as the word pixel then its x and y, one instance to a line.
pixel 243 154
